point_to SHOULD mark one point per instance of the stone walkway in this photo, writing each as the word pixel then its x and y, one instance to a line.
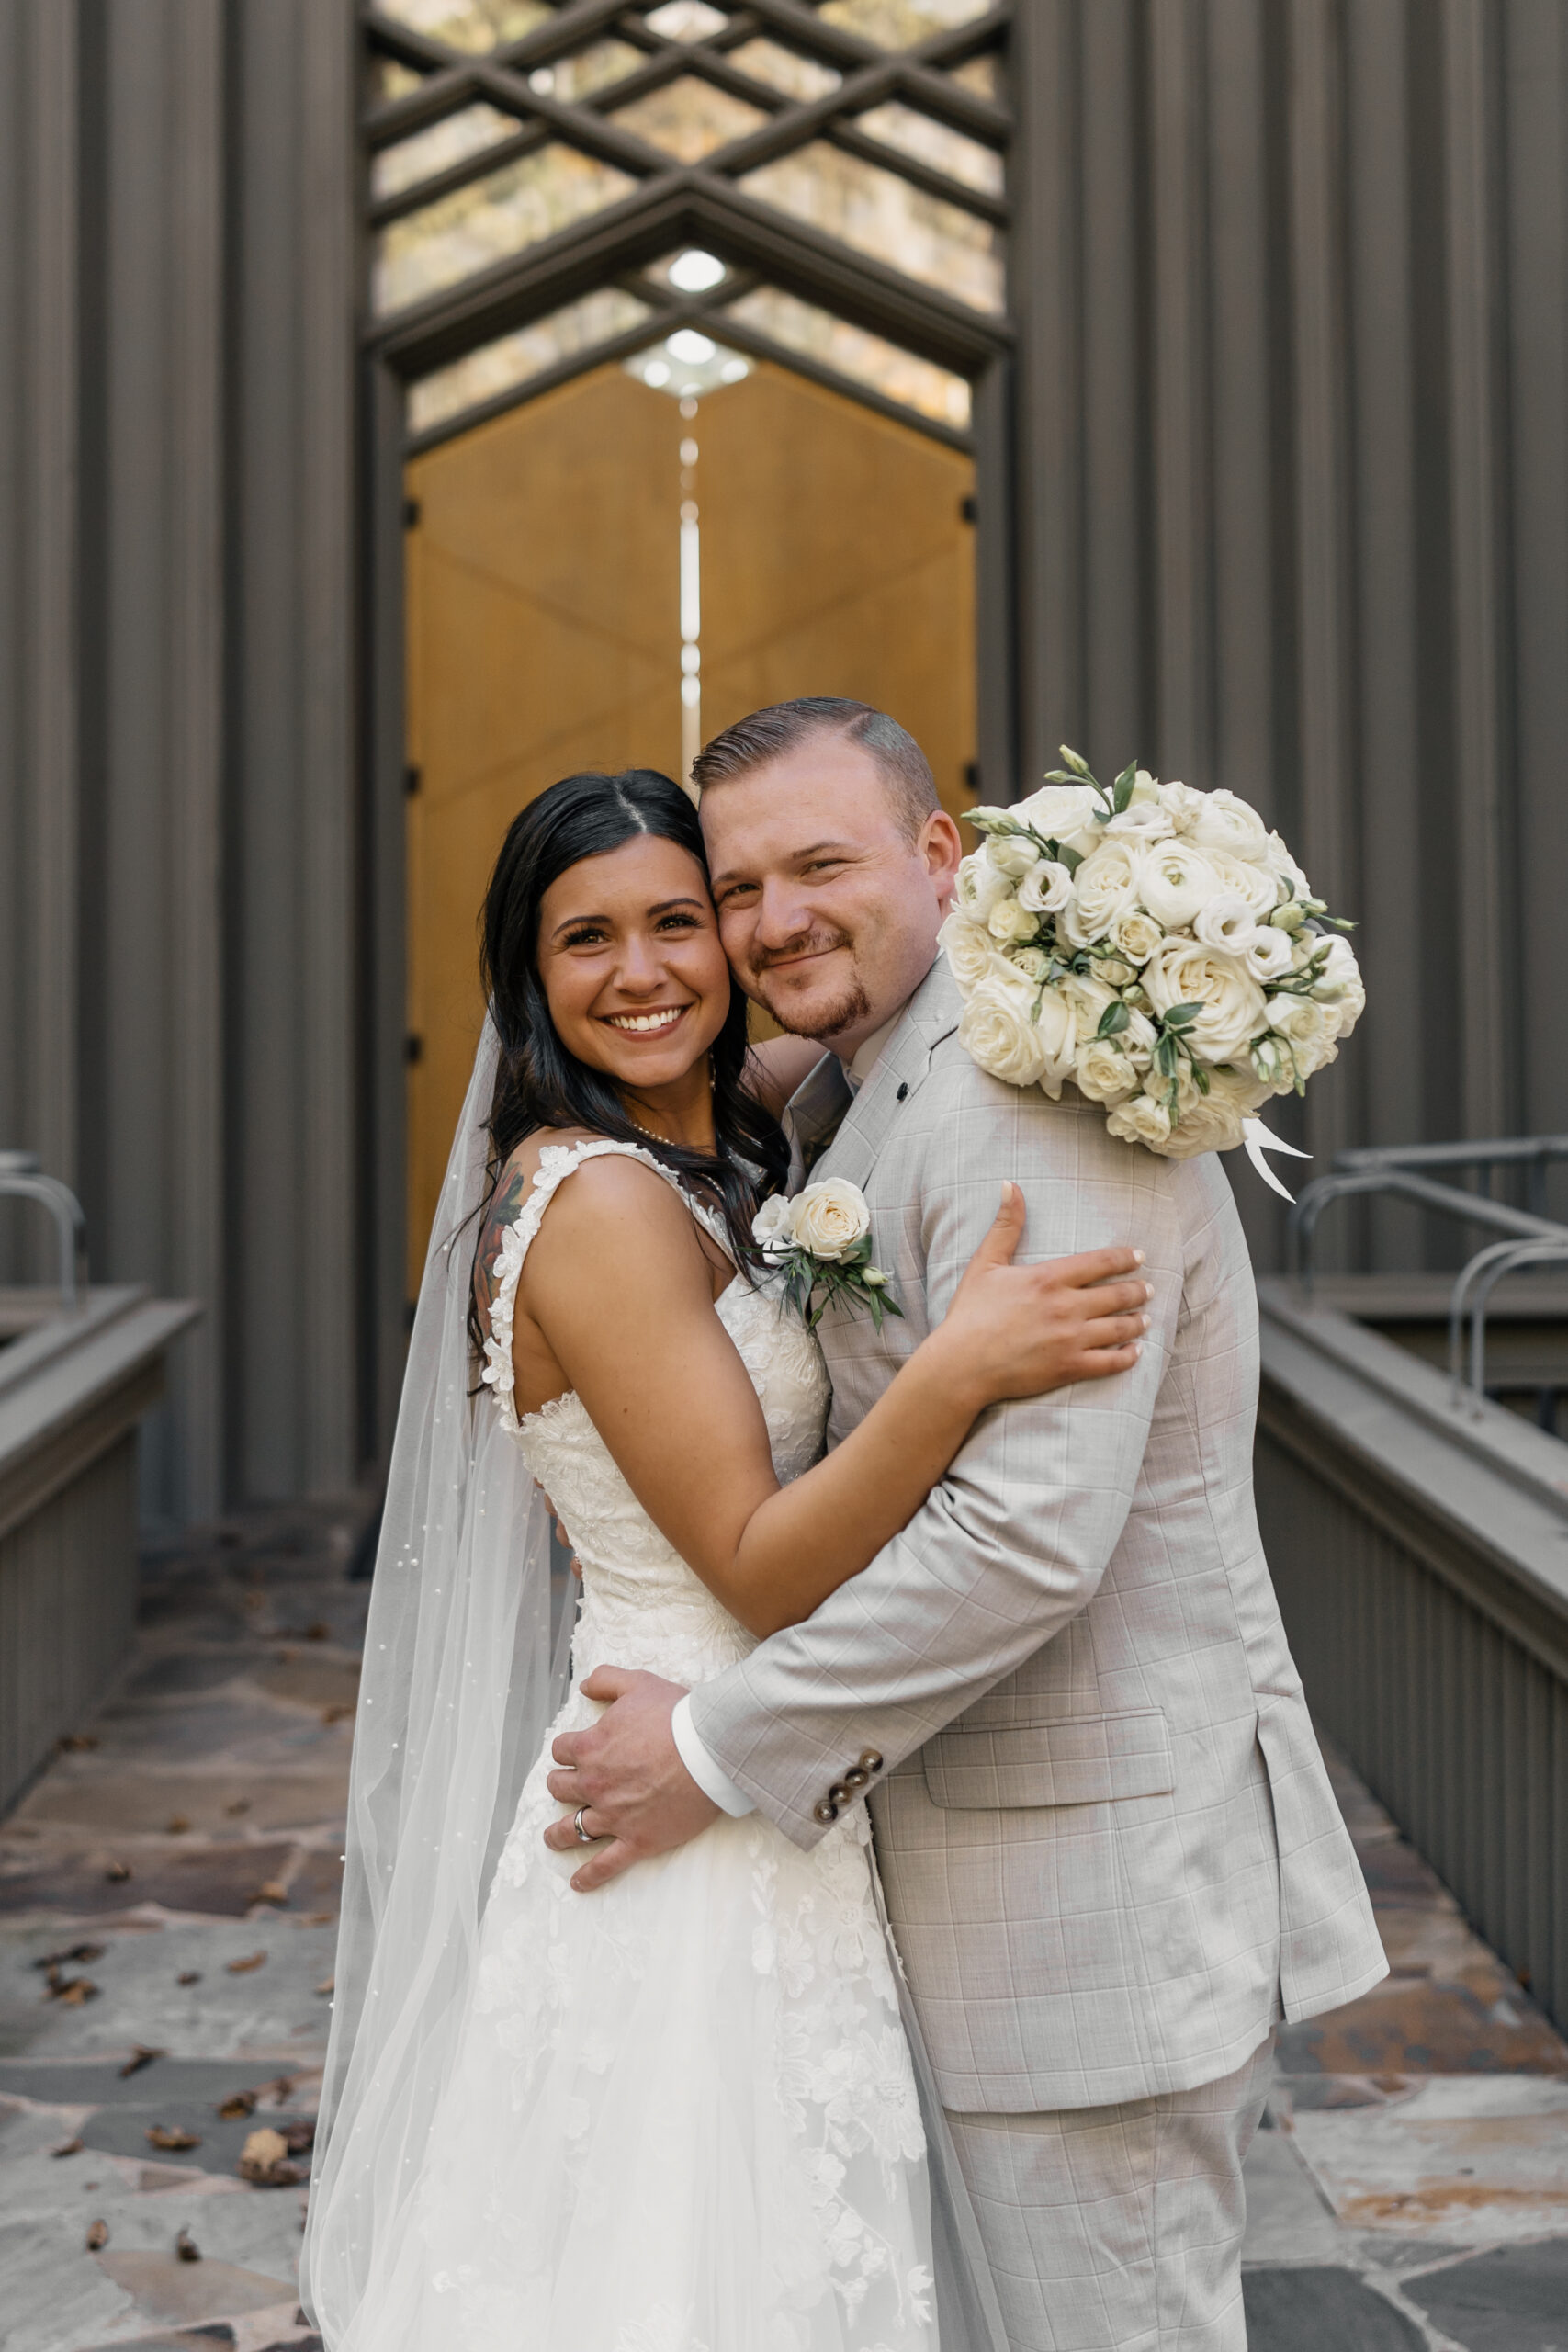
pixel 168 1894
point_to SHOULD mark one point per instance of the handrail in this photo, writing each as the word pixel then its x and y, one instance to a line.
pixel 1523 1253
pixel 1468 1209
pixel 21 1179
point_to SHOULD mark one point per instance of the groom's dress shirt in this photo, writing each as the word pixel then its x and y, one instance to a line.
pixel 704 1767
pixel 1111 1855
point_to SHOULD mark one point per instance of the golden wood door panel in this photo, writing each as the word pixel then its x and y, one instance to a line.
pixel 836 559
pixel 542 581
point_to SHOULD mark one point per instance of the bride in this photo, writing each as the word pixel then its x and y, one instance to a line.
pixel 679 2114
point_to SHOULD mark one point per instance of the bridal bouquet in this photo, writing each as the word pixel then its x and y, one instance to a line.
pixel 822 1240
pixel 1155 945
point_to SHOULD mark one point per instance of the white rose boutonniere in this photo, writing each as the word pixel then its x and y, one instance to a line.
pixel 822 1241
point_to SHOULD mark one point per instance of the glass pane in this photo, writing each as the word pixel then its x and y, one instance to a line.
pixel 498 366
pixel 689 119
pixel 946 151
pixel 589 70
pixel 686 20
pixel 979 75
pixel 881 214
pixel 687 364
pixel 489 221
pixel 469 24
pixel 447 142
pixel 898 24
pixel 898 375
pixel 389 80
pixel 798 77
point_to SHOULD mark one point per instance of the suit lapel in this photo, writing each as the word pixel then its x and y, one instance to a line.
pixel 930 1014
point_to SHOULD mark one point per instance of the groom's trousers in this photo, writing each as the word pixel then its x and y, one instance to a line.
pixel 1118 2229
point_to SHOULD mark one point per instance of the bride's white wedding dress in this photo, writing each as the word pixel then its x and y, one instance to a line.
pixel 683 2116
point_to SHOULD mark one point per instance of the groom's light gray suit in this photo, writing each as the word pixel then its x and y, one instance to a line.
pixel 1111 1855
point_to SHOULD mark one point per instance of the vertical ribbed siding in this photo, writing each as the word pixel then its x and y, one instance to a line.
pixel 1456 1724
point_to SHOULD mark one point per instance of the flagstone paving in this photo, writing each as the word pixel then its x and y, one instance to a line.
pixel 181 1858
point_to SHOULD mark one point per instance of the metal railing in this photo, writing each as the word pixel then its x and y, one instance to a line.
pixel 1395 1171
pixel 22 1180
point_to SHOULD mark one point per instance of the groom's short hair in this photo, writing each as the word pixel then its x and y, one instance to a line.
pixel 768 734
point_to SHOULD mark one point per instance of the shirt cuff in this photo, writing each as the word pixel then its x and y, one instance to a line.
pixel 709 1775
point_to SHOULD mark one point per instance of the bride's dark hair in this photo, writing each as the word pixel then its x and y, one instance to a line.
pixel 539 1083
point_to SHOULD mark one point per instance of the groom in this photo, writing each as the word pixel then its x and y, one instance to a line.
pixel 1111 1853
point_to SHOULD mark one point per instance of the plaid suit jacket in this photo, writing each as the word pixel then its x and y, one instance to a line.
pixel 1111 1855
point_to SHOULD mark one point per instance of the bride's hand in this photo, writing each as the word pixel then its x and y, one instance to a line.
pixel 1022 1330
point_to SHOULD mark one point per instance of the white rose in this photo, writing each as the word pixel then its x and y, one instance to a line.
pixel 1061 812
pixel 1140 1120
pixel 770 1226
pixel 1228 922
pixel 1136 936
pixel 1032 962
pixel 1226 823
pixel 1238 879
pixel 1311 1029
pixel 1103 1073
pixel 1177 879
pixel 1267 955
pixel 828 1218
pixel 1055 1028
pixel 1010 854
pixel 1089 997
pixel 999 1032
pixel 1341 986
pixel 1009 920
pixel 1235 1009
pixel 1046 887
pixel 979 886
pixel 1213 1122
pixel 971 950
pixel 1105 886
pixel 1182 805
pixel 1281 863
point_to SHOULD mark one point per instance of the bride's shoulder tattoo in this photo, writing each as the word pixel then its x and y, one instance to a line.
pixel 505 1207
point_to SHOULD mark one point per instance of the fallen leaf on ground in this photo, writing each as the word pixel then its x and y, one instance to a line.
pixel 141 2056
pixel 243 1967
pixel 98 2235
pixel 172 2135
pixel 118 1871
pixel 263 2161
pixel 72 1991
pixel 178 1824
pixel 237 2103
pixel 73 1951
pixel 188 1977
pixel 68 2148
pixel 73 1743
pixel 325 1986
pixel 271 1890
pixel 187 2247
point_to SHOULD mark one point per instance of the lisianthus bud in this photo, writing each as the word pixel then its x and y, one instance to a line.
pixel 1289 917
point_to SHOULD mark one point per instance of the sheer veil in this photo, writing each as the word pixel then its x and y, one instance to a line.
pixel 461 1680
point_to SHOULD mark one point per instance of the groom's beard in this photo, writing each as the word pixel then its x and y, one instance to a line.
pixel 821 1018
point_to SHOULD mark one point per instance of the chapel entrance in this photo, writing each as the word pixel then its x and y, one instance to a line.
pixel 606 575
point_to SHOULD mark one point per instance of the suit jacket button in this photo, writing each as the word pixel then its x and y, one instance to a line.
pixel 855 1778
pixel 870 1762
pixel 838 1795
pixel 824 1811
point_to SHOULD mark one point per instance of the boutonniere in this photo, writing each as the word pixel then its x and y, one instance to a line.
pixel 822 1240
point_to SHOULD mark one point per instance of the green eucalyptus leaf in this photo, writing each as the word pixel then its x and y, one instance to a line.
pixel 1122 792
pixel 1071 858
pixel 1113 1020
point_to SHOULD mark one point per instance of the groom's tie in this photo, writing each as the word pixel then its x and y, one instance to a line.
pixel 813 1117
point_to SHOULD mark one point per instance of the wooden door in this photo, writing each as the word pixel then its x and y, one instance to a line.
pixel 544 631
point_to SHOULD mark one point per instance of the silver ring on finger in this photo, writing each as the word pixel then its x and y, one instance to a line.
pixel 584 1837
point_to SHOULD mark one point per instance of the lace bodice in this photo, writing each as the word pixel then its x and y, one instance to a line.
pixel 642 1605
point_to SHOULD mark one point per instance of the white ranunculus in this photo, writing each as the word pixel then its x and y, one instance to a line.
pixel 1140 1120
pixel 1229 923
pixel 1046 887
pixel 1141 820
pixel 1239 878
pixel 1032 962
pixel 1102 1071
pixel 770 1226
pixel 1213 1121
pixel 828 1218
pixel 1057 1031
pixel 1176 880
pixel 999 1033
pixel 1136 936
pixel 1116 969
pixel 1281 863
pixel 1183 972
pixel 979 885
pixel 970 950
pixel 1267 955
pixel 1182 805
pixel 1061 812
pixel 1105 886
pixel 1226 823
pixel 1009 922
pixel 1010 854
